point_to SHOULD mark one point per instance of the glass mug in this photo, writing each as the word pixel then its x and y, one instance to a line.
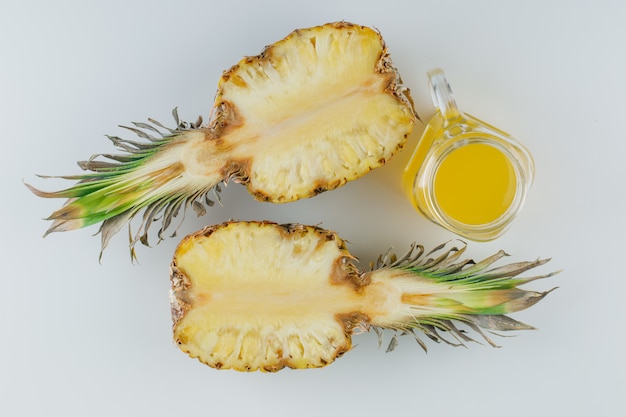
pixel 465 174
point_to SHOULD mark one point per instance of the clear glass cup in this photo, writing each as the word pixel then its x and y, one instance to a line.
pixel 465 174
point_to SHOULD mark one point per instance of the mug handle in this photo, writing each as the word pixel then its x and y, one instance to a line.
pixel 442 95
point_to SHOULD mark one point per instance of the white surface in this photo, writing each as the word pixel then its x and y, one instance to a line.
pixel 79 338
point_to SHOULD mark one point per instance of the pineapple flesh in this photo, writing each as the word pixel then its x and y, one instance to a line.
pixel 319 108
pixel 255 296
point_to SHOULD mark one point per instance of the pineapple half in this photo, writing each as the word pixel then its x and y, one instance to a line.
pixel 319 108
pixel 262 296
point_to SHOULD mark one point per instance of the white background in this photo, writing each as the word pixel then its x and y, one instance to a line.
pixel 80 338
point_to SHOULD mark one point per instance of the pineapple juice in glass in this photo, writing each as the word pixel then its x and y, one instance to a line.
pixel 464 174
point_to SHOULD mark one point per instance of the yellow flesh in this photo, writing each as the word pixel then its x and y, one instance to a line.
pixel 259 297
pixel 314 111
pixel 272 307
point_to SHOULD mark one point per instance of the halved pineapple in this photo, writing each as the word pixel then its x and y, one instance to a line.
pixel 261 296
pixel 317 109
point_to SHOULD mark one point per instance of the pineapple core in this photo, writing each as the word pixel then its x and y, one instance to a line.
pixel 261 296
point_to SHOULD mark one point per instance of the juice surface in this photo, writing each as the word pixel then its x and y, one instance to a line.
pixel 475 184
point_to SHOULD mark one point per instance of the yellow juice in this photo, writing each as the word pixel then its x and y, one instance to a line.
pixel 475 184
pixel 466 175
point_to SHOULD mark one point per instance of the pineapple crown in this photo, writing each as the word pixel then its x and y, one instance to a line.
pixel 473 283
